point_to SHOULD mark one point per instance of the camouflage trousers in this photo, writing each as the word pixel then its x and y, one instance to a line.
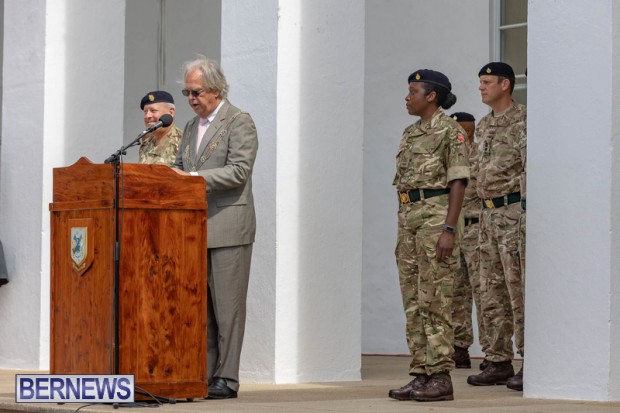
pixel 426 286
pixel 467 291
pixel 501 283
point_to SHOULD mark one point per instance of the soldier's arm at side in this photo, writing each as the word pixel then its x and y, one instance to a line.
pixel 445 244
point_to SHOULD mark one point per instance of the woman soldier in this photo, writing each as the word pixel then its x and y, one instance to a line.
pixel 432 170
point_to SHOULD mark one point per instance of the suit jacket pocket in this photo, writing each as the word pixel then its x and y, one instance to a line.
pixel 231 200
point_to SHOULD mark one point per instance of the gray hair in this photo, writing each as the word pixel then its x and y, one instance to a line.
pixel 212 75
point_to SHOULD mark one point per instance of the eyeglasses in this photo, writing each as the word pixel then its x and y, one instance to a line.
pixel 194 93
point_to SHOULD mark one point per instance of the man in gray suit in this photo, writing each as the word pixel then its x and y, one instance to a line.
pixel 220 144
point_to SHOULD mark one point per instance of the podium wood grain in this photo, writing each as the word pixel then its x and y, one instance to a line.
pixel 162 277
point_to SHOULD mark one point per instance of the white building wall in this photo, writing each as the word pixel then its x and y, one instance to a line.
pixel 572 295
pixel 614 360
pixel 401 37
pixel 249 61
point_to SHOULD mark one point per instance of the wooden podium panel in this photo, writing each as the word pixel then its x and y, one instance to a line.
pixel 82 331
pixel 162 276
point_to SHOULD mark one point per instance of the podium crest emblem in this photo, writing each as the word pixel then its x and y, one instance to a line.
pixel 81 248
pixel 79 243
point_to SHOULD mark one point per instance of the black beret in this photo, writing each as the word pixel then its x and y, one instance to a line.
pixel 156 97
pixel 497 69
pixel 430 76
pixel 463 117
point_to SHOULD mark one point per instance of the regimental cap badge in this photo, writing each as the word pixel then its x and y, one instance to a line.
pixel 497 69
pixel 156 96
pixel 430 76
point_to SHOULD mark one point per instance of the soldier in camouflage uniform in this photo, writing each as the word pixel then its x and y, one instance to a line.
pixel 160 146
pixel 523 207
pixel 516 382
pixel 432 170
pixel 501 145
pixel 467 280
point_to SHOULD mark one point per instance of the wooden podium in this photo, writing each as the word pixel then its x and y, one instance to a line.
pixel 160 327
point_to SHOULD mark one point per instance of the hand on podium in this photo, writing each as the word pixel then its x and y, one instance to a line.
pixel 180 171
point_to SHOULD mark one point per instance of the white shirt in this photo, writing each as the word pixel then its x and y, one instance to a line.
pixel 204 124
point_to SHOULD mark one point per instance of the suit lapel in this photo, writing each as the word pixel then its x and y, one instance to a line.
pixel 193 132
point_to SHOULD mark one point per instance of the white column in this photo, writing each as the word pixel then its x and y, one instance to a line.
pixel 249 61
pixel 573 239
pixel 21 181
pixel 62 99
pixel 304 318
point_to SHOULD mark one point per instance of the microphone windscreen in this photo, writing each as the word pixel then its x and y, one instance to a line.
pixel 166 120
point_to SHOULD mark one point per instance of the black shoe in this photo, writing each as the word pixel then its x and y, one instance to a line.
pixel 496 373
pixel 219 390
pixel 485 363
pixel 461 358
pixel 516 381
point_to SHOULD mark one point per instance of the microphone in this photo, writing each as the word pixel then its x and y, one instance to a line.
pixel 164 121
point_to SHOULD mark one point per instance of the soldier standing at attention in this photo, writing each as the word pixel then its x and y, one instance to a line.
pixel 517 382
pixel 501 145
pixel 432 170
pixel 467 279
pixel 160 146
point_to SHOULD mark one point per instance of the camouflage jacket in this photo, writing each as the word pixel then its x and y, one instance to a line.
pixel 501 152
pixel 524 157
pixel 163 154
pixel 431 154
pixel 471 201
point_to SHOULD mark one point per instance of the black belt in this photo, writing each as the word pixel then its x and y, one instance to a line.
pixel 501 201
pixel 523 204
pixel 471 221
pixel 414 194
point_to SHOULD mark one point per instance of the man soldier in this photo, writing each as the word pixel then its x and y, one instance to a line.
pixel 501 145
pixel 160 146
pixel 467 279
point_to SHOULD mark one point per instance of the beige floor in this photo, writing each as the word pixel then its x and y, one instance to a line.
pixel 379 374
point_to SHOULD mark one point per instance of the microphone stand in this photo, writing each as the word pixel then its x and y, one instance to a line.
pixel 115 159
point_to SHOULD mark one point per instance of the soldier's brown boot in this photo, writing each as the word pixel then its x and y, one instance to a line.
pixel 495 373
pixel 404 393
pixel 461 358
pixel 485 363
pixel 516 381
pixel 437 388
